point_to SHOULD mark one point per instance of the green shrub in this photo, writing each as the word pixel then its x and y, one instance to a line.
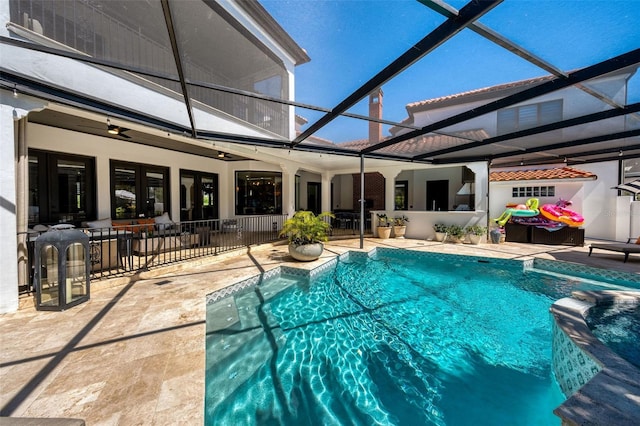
pixel 306 228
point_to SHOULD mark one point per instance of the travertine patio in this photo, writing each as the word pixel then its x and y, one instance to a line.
pixel 134 353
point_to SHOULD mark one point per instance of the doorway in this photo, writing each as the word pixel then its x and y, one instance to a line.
pixel 314 202
pixel 437 195
pixel 198 196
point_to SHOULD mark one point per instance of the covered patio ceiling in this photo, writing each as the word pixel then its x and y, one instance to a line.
pixel 611 132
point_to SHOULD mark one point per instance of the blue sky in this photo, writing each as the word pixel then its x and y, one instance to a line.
pixel 349 41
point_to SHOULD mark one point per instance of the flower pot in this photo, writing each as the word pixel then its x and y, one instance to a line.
pixel 495 235
pixel 440 236
pixel 475 239
pixel 306 252
pixel 384 232
pixel 399 231
pixel 455 239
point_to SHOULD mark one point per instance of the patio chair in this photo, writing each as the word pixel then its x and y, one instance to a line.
pixel 627 248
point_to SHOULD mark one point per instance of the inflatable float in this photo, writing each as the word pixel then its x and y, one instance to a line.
pixel 560 213
pixel 529 209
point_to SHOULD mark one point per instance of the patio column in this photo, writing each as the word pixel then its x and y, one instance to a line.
pixel 390 188
pixel 13 212
pixel 326 191
pixel 288 189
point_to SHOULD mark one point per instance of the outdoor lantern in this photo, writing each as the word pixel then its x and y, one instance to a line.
pixel 61 269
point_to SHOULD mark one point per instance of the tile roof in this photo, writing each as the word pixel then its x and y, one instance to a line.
pixel 422 144
pixel 540 174
pixel 484 90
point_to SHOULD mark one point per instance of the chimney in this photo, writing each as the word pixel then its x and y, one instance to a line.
pixel 375 111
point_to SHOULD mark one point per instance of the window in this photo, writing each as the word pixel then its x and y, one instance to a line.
pixel 61 188
pixel 198 195
pixel 138 190
pixel 631 172
pixel 533 191
pixel 258 193
pixel 528 116
pixel 401 195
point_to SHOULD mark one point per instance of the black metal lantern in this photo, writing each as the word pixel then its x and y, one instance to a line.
pixel 61 269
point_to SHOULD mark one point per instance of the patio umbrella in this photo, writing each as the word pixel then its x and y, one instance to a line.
pixel 633 186
pixel 125 195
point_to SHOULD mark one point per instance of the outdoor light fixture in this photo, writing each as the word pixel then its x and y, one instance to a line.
pixel 620 153
pixel 114 130
pixel 220 154
pixel 15 91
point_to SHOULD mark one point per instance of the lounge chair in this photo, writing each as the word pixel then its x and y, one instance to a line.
pixel 618 247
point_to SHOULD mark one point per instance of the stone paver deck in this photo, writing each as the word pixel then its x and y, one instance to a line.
pixel 135 352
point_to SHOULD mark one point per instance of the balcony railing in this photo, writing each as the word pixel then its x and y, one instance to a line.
pixel 118 251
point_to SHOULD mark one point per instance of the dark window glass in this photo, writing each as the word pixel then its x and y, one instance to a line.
pixel 138 190
pixel 61 188
pixel 401 195
pixel 198 195
pixel 528 116
pixel 258 193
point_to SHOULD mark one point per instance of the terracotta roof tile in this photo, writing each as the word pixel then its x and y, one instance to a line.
pixel 541 174
pixel 483 90
pixel 422 144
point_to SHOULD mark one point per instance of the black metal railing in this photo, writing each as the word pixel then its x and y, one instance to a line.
pixel 123 250
pixel 348 223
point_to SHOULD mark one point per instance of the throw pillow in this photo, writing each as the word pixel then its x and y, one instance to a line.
pixel 163 222
pixel 100 223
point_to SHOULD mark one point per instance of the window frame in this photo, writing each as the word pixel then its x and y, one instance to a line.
pixel 244 210
pixel 404 186
pixel 141 185
pixel 47 178
pixel 509 120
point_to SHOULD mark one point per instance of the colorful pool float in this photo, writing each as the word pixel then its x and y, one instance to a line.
pixel 529 209
pixel 561 214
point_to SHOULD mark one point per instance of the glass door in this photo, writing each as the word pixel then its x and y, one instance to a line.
pixel 198 196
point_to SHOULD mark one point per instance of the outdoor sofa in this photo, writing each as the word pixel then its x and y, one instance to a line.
pixel 627 248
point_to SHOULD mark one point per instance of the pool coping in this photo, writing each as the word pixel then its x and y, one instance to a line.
pixel 612 396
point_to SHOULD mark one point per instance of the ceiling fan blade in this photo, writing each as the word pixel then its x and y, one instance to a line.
pixel 122 134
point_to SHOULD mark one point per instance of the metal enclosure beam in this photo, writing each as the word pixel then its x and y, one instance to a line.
pixel 452 26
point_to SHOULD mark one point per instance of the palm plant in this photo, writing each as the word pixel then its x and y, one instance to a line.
pixel 307 228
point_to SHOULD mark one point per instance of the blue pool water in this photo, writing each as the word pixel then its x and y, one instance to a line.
pixel 397 339
pixel 618 327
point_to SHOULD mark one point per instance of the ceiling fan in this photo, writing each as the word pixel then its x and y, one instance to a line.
pixel 117 130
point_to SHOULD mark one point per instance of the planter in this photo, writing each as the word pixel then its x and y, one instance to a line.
pixel 475 239
pixel 306 252
pixel 495 235
pixel 399 231
pixel 384 232
pixel 455 239
pixel 441 236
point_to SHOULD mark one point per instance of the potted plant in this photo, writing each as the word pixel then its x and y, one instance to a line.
pixel 306 232
pixel 400 226
pixel 455 233
pixel 441 231
pixel 475 233
pixel 384 226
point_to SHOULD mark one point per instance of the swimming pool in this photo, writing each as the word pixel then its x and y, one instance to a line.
pixel 397 338
pixel 618 327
